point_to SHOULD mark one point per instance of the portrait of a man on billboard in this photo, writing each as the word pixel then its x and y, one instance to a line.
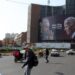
pixel 69 27
pixel 51 28
pixel 46 32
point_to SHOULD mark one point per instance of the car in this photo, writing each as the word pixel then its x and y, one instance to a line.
pixel 62 50
pixel 22 51
pixel 70 52
pixel 55 52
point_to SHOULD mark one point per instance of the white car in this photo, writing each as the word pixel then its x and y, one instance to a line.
pixel 70 52
pixel 22 51
pixel 55 52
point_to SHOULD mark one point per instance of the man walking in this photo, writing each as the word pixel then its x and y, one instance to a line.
pixel 30 62
pixel 46 55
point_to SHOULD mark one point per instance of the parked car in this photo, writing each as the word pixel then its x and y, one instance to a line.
pixel 55 52
pixel 62 50
pixel 70 52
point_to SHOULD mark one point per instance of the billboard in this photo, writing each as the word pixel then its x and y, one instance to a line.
pixel 50 24
pixel 57 28
pixel 51 28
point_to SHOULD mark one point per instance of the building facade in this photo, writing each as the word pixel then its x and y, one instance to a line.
pixel 9 39
pixel 20 39
pixel 70 10
pixel 70 7
pixel 35 14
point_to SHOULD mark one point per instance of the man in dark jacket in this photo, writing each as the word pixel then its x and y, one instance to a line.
pixel 30 58
pixel 47 54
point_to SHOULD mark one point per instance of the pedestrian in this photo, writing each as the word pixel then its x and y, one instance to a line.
pixel 30 62
pixel 46 55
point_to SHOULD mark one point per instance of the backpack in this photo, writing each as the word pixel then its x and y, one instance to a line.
pixel 35 61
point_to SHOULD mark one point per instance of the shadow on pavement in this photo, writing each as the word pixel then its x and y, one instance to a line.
pixel 57 56
pixel 59 73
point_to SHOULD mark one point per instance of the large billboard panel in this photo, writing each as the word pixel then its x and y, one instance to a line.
pixel 57 28
pixel 51 28
pixel 50 24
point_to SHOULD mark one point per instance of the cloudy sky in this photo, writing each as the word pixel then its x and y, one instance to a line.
pixel 14 14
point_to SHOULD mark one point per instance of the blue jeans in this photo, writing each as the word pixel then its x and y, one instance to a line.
pixel 28 71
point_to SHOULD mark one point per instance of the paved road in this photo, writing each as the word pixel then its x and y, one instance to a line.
pixel 64 65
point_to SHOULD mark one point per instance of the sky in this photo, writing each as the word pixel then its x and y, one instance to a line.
pixel 14 14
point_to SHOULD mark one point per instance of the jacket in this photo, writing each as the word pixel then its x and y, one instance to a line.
pixel 30 59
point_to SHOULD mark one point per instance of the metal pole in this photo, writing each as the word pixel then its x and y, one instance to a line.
pixel 48 2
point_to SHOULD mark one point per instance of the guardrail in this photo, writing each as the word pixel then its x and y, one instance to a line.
pixel 10 47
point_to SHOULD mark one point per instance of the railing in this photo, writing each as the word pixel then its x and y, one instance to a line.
pixel 4 47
